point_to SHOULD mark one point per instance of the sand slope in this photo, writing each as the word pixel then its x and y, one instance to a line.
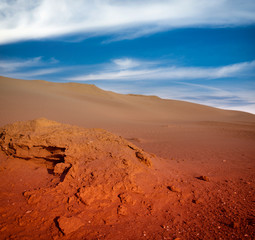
pixel 88 105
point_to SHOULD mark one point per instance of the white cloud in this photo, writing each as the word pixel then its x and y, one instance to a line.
pixel 26 68
pixel 12 65
pixel 125 63
pixel 236 68
pixel 129 70
pixel 23 20
pixel 124 74
pixel 34 73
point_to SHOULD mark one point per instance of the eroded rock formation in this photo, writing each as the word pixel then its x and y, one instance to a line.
pixel 98 171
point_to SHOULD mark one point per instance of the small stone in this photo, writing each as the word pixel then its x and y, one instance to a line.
pixel 3 229
pixel 122 210
pixel 196 201
pixel 87 195
pixel 204 178
pixel 125 162
pixel 32 198
pixel 143 158
pixel 69 224
pixel 70 199
pixel 60 168
pixel 174 189
pixel 235 224
pixel 125 198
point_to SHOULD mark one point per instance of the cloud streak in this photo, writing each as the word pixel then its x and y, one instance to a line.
pixel 12 65
pixel 34 73
pixel 20 68
pixel 128 69
pixel 26 20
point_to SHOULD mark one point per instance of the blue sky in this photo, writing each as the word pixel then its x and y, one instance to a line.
pixel 195 50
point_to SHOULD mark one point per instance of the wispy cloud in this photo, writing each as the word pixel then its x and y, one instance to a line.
pixel 12 65
pixel 23 20
pixel 34 73
pixel 26 68
pixel 128 69
pixel 125 63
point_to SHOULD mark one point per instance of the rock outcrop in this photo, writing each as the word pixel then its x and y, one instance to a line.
pixel 61 146
pixel 96 170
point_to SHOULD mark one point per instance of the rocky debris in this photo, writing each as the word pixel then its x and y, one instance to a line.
pixel 235 224
pixel 3 229
pixel 197 201
pixel 143 158
pixel 204 178
pixel 60 168
pixel 141 155
pixel 122 210
pixel 125 198
pixel 32 197
pixel 174 189
pixel 90 194
pixel 69 224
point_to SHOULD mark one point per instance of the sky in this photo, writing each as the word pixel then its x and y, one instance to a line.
pixel 193 50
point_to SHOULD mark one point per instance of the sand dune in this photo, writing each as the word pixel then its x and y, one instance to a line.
pixel 182 141
pixel 88 105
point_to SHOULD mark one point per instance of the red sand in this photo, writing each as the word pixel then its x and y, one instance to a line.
pixel 169 201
